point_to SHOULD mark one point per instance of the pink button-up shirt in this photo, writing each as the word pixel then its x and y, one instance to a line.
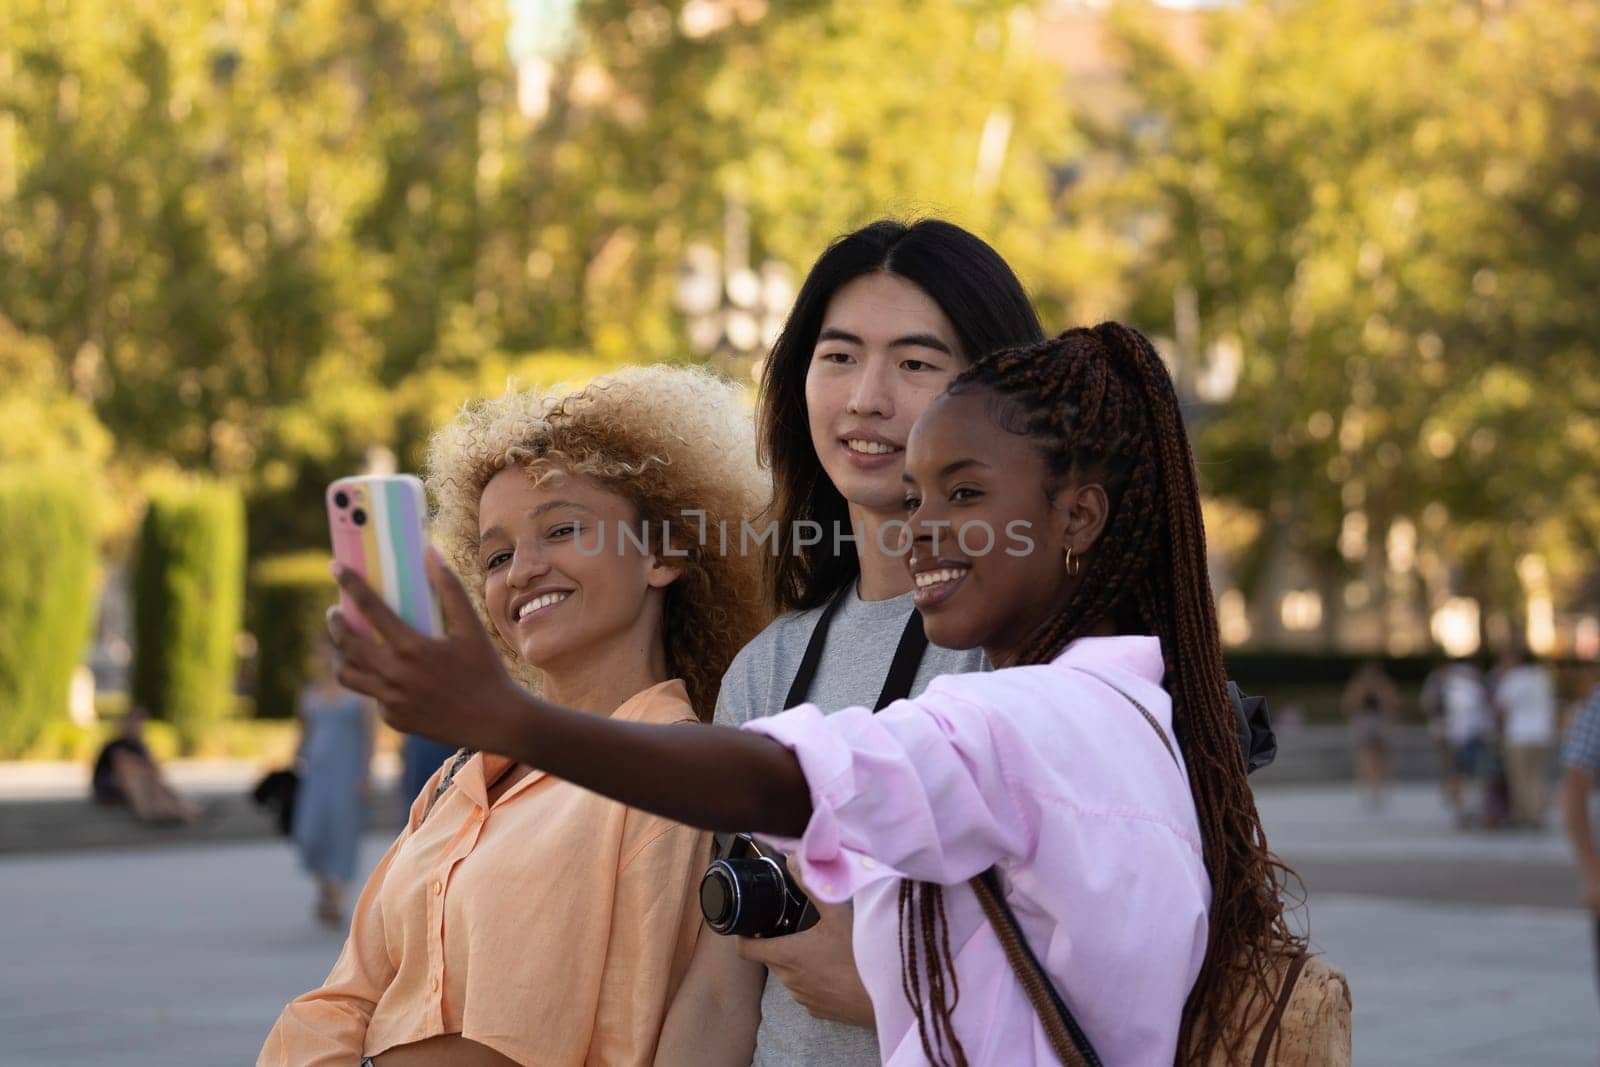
pixel 1053 775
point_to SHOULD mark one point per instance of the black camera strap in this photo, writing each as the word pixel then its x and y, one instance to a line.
pixel 896 684
pixel 902 669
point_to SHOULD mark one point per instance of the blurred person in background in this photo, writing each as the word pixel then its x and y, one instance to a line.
pixel 1580 759
pixel 1431 702
pixel 125 774
pixel 1370 705
pixel 334 761
pixel 1456 696
pixel 1525 701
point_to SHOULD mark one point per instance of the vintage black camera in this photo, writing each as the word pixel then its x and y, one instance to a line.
pixel 747 891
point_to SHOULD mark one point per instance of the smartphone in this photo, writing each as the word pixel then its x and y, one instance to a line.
pixel 379 525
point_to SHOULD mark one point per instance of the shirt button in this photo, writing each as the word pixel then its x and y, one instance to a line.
pixel 869 863
pixel 438 887
pixel 434 985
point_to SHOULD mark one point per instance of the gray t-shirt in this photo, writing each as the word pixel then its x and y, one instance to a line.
pixel 855 660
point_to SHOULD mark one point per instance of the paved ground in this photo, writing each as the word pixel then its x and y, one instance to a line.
pixel 1408 849
pixel 179 957
pixel 1460 948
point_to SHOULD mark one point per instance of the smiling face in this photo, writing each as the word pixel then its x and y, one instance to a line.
pixel 988 533
pixel 884 352
pixel 552 603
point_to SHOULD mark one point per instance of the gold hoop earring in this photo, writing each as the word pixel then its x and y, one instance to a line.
pixel 1073 566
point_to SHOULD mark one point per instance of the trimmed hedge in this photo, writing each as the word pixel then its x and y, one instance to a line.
pixel 188 582
pixel 47 588
pixel 289 599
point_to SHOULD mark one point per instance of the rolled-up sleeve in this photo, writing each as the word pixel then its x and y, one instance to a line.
pixel 327 1027
pixel 919 790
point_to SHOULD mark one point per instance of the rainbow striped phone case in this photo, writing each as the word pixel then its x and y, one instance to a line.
pixel 379 526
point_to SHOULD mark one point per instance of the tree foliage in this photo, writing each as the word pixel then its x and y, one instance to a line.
pixel 1387 208
pixel 260 239
pixel 47 585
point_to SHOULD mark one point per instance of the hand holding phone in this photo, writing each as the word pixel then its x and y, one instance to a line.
pixel 379 530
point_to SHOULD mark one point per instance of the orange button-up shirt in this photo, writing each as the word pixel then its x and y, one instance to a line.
pixel 553 925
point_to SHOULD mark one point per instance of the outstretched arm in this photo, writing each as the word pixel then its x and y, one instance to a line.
pixel 455 689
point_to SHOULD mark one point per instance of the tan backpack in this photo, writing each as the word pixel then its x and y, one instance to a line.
pixel 1309 1024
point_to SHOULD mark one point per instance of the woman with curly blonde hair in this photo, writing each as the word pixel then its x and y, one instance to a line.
pixel 519 919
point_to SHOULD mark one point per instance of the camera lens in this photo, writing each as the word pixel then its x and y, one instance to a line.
pixel 341 499
pixel 359 517
pixel 718 898
pixel 744 897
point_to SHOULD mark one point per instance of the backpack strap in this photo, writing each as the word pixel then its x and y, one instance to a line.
pixel 1269 1030
pixel 1067 1039
pixel 444 782
pixel 1285 991
pixel 1149 718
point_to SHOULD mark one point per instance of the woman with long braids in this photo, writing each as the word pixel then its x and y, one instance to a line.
pixel 1053 520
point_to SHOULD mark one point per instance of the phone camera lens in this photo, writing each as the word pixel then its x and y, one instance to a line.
pixel 342 499
pixel 359 516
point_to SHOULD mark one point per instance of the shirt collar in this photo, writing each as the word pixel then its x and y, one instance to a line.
pixel 484 767
pixel 639 706
pixel 1138 654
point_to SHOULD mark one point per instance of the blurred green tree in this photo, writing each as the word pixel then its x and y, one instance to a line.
pixel 47 589
pixel 1378 206
pixel 42 423
pixel 817 116
pixel 261 239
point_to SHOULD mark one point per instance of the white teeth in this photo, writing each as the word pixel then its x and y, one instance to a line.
pixel 870 448
pixel 539 602
pixel 927 578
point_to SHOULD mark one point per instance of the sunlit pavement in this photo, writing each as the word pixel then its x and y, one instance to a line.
pixel 1460 949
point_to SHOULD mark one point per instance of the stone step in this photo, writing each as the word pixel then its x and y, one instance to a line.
pixel 1309 754
pixel 43 807
pixel 61 824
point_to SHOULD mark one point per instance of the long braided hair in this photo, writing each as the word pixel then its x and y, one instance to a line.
pixel 1100 405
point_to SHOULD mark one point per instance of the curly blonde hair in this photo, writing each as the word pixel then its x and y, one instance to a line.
pixel 670 440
